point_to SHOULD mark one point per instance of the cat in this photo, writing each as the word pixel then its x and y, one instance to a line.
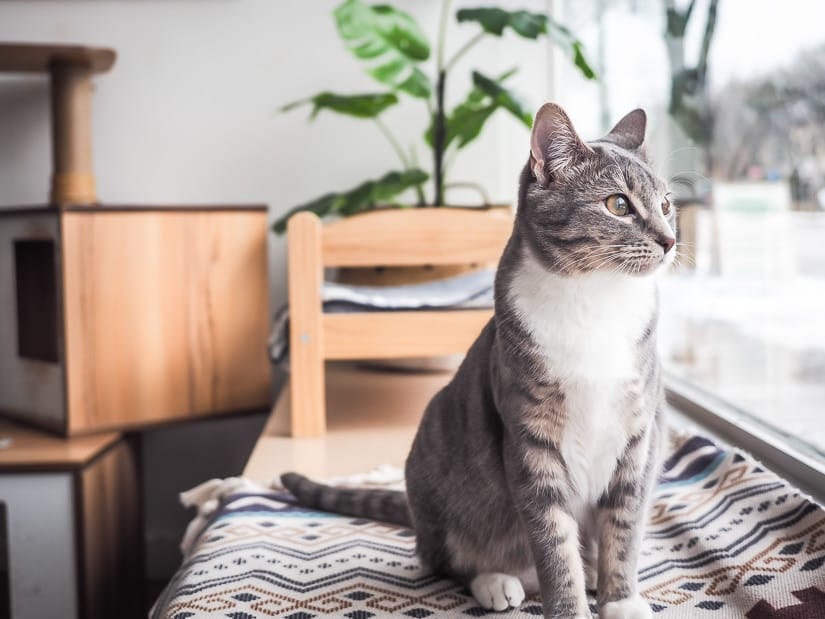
pixel 531 470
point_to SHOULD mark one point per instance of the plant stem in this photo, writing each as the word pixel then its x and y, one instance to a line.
pixel 464 49
pixel 439 136
pixel 400 152
pixel 396 146
pixel 439 133
pixel 419 189
pixel 469 185
pixel 442 34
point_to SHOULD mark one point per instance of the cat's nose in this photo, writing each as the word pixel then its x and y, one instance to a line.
pixel 667 242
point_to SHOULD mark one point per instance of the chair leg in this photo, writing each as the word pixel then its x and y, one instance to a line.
pixel 306 346
pixel 307 395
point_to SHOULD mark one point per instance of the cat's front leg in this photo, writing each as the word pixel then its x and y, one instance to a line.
pixel 621 515
pixel 539 488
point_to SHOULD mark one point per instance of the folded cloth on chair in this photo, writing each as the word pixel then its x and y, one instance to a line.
pixel 469 291
pixel 725 539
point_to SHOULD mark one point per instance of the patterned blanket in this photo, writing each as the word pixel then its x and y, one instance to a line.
pixel 725 539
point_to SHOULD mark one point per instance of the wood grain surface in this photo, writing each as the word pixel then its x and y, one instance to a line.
pixel 23 448
pixel 398 335
pixel 417 236
pixel 166 315
pixel 387 237
pixel 109 532
pixel 306 333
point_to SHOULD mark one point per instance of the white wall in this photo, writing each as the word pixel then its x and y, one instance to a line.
pixel 189 112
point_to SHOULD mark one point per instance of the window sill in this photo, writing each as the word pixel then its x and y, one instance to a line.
pixel 785 455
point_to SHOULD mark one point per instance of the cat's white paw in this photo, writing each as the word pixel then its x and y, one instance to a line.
pixel 628 608
pixel 497 591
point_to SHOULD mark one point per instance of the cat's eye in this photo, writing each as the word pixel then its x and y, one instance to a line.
pixel 618 204
pixel 666 207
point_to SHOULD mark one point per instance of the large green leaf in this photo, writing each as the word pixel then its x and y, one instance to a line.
pixel 360 106
pixel 565 39
pixel 529 25
pixel 364 197
pixel 503 97
pixel 390 40
pixel 495 20
pixel 465 122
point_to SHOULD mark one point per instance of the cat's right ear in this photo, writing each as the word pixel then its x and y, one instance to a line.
pixel 554 144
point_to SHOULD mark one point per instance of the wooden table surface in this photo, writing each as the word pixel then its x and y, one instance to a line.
pixel 372 417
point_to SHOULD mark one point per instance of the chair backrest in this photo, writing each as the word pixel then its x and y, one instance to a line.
pixel 392 237
pixel 415 236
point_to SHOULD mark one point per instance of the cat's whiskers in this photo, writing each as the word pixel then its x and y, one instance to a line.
pixel 695 173
pixel 635 259
pixel 605 252
pixel 577 261
pixel 684 259
pixel 610 258
pixel 626 266
pixel 671 155
pixel 679 182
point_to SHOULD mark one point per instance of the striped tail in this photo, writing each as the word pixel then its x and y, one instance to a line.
pixel 385 505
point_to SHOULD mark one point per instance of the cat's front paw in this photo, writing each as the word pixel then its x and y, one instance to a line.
pixel 497 591
pixel 628 608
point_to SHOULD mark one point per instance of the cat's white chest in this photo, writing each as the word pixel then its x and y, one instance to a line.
pixel 594 437
pixel 587 328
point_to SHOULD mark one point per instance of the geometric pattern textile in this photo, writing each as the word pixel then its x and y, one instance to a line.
pixel 725 539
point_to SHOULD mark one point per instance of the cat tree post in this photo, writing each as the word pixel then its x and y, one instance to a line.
pixel 73 180
pixel 70 68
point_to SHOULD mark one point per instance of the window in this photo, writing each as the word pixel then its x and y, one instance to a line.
pixel 737 123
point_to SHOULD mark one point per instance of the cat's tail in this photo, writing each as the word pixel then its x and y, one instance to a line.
pixel 385 505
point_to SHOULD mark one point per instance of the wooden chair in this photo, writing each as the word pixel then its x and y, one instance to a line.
pixel 393 237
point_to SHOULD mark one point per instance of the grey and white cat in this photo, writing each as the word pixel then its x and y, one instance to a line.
pixel 531 470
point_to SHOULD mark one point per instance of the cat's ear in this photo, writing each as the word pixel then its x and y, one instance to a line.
pixel 629 132
pixel 554 145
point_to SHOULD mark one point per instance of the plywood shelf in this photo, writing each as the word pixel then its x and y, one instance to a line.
pixel 25 449
pixel 39 58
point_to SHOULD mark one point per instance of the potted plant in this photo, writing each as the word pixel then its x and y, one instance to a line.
pixel 395 50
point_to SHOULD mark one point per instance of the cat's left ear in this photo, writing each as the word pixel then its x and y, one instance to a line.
pixel 629 132
pixel 555 146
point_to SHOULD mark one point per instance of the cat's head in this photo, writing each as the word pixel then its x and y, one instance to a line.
pixel 594 206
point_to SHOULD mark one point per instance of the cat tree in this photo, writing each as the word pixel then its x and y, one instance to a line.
pixel 125 316
pixel 111 318
pixel 70 69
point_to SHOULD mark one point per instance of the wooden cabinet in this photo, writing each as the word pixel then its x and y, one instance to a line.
pixel 121 317
pixel 70 526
